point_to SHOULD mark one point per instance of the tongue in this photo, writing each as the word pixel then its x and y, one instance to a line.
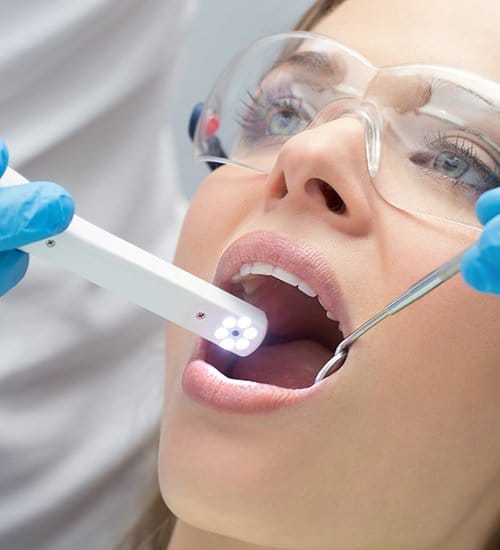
pixel 291 365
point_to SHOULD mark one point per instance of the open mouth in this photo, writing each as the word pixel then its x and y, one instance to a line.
pixel 302 333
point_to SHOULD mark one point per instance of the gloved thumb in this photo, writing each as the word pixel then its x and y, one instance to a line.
pixel 488 205
pixel 479 273
pixel 32 212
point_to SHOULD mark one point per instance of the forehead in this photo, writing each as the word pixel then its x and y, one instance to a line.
pixel 460 33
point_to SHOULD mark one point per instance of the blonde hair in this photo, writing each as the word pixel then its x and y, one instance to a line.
pixel 315 13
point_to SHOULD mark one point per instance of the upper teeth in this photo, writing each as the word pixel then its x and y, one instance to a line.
pixel 251 284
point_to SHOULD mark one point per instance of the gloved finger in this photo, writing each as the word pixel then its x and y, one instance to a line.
pixel 32 212
pixel 488 205
pixel 4 157
pixel 13 266
pixel 489 242
pixel 481 275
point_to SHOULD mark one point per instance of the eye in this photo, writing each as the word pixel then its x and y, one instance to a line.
pixel 272 115
pixel 450 165
pixel 461 162
pixel 284 119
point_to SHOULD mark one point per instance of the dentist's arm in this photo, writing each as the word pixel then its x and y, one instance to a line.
pixel 481 265
pixel 28 213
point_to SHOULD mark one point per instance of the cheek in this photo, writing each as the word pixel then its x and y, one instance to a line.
pixel 436 361
pixel 431 374
pixel 220 206
pixel 447 331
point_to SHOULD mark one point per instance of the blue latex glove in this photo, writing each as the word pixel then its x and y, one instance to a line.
pixel 481 265
pixel 28 213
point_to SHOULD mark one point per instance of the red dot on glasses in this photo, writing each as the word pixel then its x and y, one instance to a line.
pixel 212 125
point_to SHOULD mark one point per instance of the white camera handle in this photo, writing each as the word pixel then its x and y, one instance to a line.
pixel 156 285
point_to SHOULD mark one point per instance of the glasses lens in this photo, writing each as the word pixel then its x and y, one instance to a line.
pixel 272 92
pixel 441 141
pixel 440 127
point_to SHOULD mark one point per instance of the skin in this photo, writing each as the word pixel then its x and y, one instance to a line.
pixel 403 451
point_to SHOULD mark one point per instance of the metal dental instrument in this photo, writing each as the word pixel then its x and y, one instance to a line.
pixel 422 287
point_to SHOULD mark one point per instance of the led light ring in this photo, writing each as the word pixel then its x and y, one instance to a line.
pixel 236 333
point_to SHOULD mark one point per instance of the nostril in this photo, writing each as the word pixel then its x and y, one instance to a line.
pixel 333 200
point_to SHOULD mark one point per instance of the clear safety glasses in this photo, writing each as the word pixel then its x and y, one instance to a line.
pixel 432 133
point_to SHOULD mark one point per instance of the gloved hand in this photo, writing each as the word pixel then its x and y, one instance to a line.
pixel 480 266
pixel 28 213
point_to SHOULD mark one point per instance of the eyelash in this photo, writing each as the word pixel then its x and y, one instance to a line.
pixel 248 115
pixel 461 147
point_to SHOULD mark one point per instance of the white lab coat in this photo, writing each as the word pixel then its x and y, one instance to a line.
pixel 85 87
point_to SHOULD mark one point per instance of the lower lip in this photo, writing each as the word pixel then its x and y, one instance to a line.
pixel 208 386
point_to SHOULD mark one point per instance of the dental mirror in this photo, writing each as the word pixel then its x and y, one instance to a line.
pixel 422 287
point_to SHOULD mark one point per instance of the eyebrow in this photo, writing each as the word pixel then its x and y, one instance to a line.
pixel 315 62
pixel 441 82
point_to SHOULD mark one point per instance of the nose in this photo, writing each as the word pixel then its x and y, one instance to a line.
pixel 324 169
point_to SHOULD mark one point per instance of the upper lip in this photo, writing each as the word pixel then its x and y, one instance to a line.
pixel 293 255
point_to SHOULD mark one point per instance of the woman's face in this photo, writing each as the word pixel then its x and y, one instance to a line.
pixel 399 448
